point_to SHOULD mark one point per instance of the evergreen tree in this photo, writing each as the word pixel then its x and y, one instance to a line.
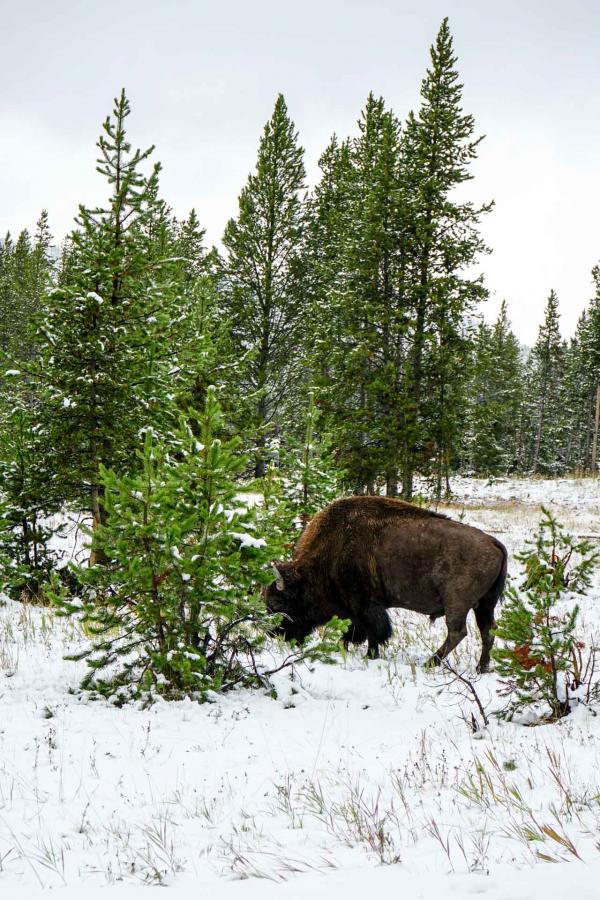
pixel 190 246
pixel 329 225
pixel 537 662
pixel 25 274
pixel 444 242
pixel 582 377
pixel 495 397
pixel 545 395
pixel 27 499
pixel 356 212
pixel 6 292
pixel 107 334
pixel 373 311
pixel 264 269
pixel 310 478
pixel 173 606
pixel 177 610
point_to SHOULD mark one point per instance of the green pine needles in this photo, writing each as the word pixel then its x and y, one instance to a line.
pixel 175 611
pixel 538 663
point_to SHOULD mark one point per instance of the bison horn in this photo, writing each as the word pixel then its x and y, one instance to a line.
pixel 280 582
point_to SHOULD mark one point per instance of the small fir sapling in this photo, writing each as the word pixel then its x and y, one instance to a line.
pixel 538 662
pixel 177 608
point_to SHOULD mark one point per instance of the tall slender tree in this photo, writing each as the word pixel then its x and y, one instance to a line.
pixel 264 275
pixel 545 397
pixel 495 398
pixel 106 336
pixel 439 144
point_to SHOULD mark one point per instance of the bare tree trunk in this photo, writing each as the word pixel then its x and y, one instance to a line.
pixel 391 484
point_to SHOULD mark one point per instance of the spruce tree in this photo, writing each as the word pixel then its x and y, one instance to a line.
pixel 374 311
pixel 545 395
pixel 264 272
pixel 106 337
pixel 176 610
pixel 495 397
pixel 329 226
pixel 444 242
pixel 537 662
pixel 582 377
pixel 26 270
pixel 360 316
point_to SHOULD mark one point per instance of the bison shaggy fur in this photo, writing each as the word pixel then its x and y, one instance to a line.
pixel 361 556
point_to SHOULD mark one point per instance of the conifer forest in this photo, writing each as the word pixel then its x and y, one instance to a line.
pixel 298 539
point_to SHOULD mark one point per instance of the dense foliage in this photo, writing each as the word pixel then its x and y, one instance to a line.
pixel 340 331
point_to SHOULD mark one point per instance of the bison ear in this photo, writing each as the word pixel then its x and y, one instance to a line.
pixel 280 584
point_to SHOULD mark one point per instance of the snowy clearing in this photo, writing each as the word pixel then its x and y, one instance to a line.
pixel 361 777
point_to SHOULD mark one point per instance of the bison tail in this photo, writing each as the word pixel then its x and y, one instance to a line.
pixel 497 589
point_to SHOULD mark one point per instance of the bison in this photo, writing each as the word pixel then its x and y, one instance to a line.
pixel 361 556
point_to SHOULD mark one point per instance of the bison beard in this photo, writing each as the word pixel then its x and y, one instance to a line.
pixel 363 555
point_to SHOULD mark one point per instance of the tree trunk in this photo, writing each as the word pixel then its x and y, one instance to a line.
pixel 97 557
pixel 391 483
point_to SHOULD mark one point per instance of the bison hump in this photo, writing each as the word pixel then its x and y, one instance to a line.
pixel 331 528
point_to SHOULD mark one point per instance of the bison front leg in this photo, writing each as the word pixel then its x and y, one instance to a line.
pixel 356 634
pixel 457 630
pixel 378 627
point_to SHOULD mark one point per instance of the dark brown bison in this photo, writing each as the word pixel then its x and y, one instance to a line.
pixel 362 555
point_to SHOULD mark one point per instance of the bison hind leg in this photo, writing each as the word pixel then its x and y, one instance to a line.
pixel 484 616
pixel 378 628
pixel 457 630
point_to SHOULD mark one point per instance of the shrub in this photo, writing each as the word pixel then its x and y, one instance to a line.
pixel 538 662
pixel 176 609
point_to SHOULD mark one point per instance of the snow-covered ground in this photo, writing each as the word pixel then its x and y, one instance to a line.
pixel 359 778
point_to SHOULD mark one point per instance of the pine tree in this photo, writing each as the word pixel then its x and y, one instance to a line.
pixel 537 662
pixel 495 393
pixel 582 377
pixel 438 147
pixel 359 314
pixel 106 338
pixel 545 395
pixel 173 606
pixel 310 478
pixel 190 246
pixel 176 610
pixel 375 316
pixel 329 226
pixel 264 269
pixel 26 559
pixel 6 292
pixel 25 274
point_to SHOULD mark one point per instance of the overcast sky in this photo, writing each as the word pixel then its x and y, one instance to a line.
pixel 202 77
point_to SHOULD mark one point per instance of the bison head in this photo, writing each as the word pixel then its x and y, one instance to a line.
pixel 285 597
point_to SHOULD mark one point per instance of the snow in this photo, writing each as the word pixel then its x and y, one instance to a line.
pixel 360 778
pixel 247 540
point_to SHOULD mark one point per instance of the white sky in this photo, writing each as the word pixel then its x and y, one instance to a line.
pixel 202 78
